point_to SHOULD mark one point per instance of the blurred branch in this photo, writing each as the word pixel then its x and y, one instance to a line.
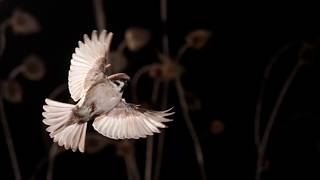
pixel 9 142
pixel 149 153
pixel 162 135
pixel 136 78
pixel 265 139
pixel 192 131
pixel 99 14
pixel 38 168
pixel 266 75
pixel 51 159
pixel 3 28
pixel 164 18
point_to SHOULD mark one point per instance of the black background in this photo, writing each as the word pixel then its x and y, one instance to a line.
pixel 226 75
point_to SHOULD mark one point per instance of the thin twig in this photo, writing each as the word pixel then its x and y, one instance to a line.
pixel 181 52
pixel 262 147
pixel 266 75
pixel 99 14
pixel 192 131
pixel 9 141
pixel 162 135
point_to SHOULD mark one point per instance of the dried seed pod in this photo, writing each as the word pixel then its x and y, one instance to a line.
pixel 33 68
pixel 197 39
pixel 24 23
pixel 136 38
pixel 12 91
pixel 216 127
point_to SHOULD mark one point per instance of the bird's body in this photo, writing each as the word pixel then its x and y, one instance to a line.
pixel 99 98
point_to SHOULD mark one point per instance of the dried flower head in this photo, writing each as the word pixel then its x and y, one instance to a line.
pixel 33 68
pixel 171 70
pixel 216 127
pixel 24 23
pixel 12 91
pixel 95 143
pixel 136 38
pixel 118 61
pixel 155 71
pixel 197 39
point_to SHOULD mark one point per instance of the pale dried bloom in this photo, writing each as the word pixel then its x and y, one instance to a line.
pixel 118 61
pixel 197 39
pixel 166 70
pixel 24 23
pixel 171 70
pixel 33 68
pixel 136 38
pixel 216 127
pixel 12 91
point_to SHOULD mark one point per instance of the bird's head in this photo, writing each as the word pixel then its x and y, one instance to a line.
pixel 120 80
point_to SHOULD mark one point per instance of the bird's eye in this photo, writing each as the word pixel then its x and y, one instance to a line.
pixel 117 83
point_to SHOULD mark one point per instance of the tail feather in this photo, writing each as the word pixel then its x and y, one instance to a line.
pixel 57 116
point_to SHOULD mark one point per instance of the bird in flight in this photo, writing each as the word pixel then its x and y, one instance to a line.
pixel 98 97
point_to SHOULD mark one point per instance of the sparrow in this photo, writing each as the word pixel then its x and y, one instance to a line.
pixel 98 98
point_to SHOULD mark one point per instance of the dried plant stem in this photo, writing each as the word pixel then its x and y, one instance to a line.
pixel 58 90
pixel 128 167
pixel 132 168
pixel 155 90
pixel 9 142
pixel 3 28
pixel 38 168
pixel 262 90
pixel 99 14
pixel 149 153
pixel 150 139
pixel 192 131
pixel 164 18
pixel 121 47
pixel 264 142
pixel 136 78
pixel 181 52
pixel 51 159
pixel 162 135
pixel 16 71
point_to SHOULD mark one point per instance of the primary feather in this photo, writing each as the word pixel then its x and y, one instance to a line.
pixel 87 61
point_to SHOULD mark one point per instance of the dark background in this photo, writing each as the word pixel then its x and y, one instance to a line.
pixel 225 75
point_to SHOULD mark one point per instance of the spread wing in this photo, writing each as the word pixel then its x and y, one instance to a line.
pixel 87 62
pixel 128 121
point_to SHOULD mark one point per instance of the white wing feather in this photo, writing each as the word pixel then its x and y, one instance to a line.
pixel 84 60
pixel 128 121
